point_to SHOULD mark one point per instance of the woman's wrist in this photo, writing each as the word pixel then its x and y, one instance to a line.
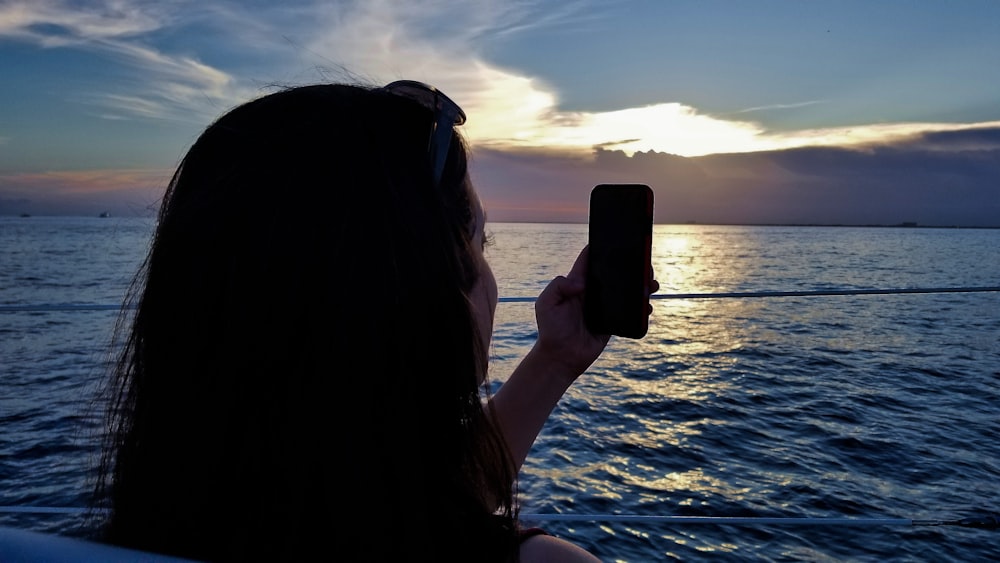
pixel 549 363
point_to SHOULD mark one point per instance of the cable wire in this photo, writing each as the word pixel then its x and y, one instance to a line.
pixel 990 522
pixel 60 307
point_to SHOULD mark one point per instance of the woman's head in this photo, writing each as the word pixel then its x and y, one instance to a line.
pixel 306 338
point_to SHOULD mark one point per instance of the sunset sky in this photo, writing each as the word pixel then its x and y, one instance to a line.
pixel 764 111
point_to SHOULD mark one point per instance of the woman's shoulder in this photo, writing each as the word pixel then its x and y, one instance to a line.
pixel 546 548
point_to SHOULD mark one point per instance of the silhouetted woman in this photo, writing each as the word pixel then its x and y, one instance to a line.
pixel 302 374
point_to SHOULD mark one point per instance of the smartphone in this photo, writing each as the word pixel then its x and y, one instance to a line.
pixel 619 265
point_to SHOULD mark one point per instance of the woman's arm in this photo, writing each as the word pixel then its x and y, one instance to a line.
pixel 564 350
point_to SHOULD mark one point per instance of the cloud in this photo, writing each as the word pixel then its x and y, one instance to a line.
pixel 82 182
pixel 940 178
pixel 864 135
pixel 171 86
pixel 669 127
pixel 375 41
pixel 126 191
pixel 772 107
pixel 509 110
pixel 914 180
pixel 60 23
pixel 967 138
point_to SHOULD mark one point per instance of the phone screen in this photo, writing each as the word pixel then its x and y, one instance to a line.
pixel 619 268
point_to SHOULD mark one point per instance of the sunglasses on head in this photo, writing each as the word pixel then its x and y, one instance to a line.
pixel 446 114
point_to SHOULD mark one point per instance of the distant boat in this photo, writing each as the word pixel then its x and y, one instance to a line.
pixel 104 214
pixel 26 215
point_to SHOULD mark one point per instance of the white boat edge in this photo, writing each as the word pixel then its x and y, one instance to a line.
pixel 24 546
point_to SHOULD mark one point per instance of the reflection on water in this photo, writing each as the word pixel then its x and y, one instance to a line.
pixel 869 406
pixel 673 262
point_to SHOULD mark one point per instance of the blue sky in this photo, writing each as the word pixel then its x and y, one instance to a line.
pixel 100 99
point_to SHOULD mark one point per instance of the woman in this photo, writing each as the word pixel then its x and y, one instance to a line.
pixel 304 369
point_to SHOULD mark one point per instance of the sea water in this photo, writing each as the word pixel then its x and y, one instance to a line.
pixel 821 407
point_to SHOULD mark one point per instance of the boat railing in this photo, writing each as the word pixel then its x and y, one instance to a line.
pixel 53 307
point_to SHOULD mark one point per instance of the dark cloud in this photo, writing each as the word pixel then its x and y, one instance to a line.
pixel 987 138
pixel 943 179
pixel 950 178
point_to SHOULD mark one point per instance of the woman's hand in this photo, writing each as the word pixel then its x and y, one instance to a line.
pixel 563 337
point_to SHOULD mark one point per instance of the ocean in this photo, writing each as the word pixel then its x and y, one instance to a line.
pixel 822 407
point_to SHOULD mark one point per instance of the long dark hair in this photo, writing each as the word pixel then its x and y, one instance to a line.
pixel 301 371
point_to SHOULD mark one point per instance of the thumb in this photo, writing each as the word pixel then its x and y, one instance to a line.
pixel 579 269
